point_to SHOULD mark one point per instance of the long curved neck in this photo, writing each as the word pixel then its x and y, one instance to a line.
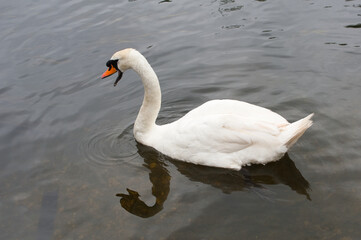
pixel 152 96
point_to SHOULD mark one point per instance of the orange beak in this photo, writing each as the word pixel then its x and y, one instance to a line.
pixel 109 72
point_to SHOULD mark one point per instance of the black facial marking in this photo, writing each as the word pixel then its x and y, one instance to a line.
pixel 120 74
pixel 113 63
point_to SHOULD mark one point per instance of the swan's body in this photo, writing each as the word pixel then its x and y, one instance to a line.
pixel 219 133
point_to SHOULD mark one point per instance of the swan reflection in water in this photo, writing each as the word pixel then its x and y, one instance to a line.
pixel 160 179
pixel 282 171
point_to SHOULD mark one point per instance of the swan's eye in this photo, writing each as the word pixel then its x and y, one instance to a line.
pixel 113 63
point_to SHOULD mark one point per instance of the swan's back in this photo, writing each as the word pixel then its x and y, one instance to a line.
pixel 239 108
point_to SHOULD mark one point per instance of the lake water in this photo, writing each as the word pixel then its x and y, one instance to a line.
pixel 71 169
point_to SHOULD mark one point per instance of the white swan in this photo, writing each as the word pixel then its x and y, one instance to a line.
pixel 219 133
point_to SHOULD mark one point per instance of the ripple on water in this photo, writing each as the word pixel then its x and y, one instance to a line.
pixel 109 146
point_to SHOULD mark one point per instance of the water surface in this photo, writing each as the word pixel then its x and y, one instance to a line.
pixel 71 169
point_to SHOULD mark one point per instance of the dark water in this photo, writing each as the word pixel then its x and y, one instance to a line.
pixel 70 168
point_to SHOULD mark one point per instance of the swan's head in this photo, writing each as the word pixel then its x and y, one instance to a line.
pixel 119 62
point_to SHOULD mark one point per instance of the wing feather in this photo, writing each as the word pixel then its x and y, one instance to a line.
pixel 223 132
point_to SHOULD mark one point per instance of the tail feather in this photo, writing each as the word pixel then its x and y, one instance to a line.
pixel 295 130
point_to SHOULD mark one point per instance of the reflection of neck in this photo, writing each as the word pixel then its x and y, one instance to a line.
pixel 152 96
pixel 135 206
pixel 160 179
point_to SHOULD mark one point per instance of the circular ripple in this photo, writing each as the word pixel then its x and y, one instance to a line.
pixel 109 147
